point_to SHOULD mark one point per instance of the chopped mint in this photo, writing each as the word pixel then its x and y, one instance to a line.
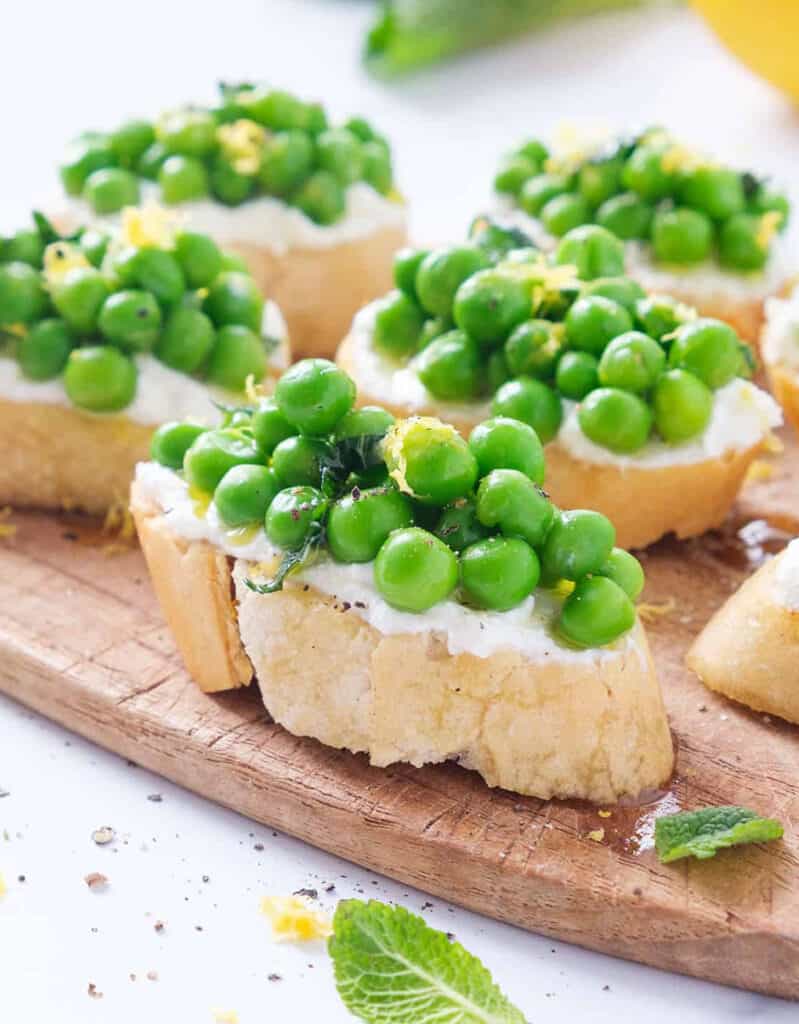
pixel 701 833
pixel 392 968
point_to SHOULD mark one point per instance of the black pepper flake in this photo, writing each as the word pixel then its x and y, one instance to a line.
pixel 330 888
pixel 155 798
pixel 20 878
pixel 258 847
pixel 206 878
pixel 69 535
pixel 4 792
pixel 356 493
pixel 360 604
pixel 310 894
pixel 274 977
pixel 345 606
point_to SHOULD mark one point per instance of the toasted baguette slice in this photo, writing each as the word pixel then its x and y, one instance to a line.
pixel 643 504
pixel 591 727
pixel 750 648
pixel 785 385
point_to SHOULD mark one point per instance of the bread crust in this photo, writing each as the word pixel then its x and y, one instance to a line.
pixel 194 586
pixel 749 650
pixel 319 291
pixel 785 385
pixel 643 504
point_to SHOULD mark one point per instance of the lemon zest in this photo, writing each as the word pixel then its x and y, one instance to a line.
pixel 149 227
pixel 604 814
pixel 573 144
pixel 596 835
pixel 759 470
pixel 678 157
pixel 649 612
pixel 241 142
pixel 7 529
pixel 60 258
pixel 767 228
pixel 226 1017
pixel 292 920
pixel 253 391
pixel 394 445
pixel 3 888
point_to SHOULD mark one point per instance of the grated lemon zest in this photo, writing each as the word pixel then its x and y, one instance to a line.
pixel 759 470
pixel 573 144
pixel 241 142
pixel 604 814
pixel 149 227
pixel 596 835
pixel 772 444
pixel 292 920
pixel 252 390
pixel 226 1017
pixel 650 612
pixel 769 226
pixel 7 529
pixel 3 889
pixel 60 258
pixel 394 441
pixel 678 157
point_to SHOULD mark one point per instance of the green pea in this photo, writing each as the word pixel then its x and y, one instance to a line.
pixel 414 570
pixel 442 272
pixel 214 452
pixel 513 172
pixel 766 200
pixel 234 298
pixel 286 161
pixel 458 525
pixel 398 324
pixel 430 461
pixel 360 128
pixel 339 152
pixel 273 108
pixel 299 460
pixel 119 266
pixel 532 402
pixel 315 118
pixel 368 421
pixel 504 443
pixel 238 353
pixel 659 315
pixel 533 348
pixel 599 179
pixel 741 243
pixel 615 419
pixel 625 570
pixel 182 178
pixel 79 297
pixel 623 290
pixel 244 494
pixel 406 265
pixel 94 244
pixel 130 141
pixel 596 613
pixel 159 272
pixel 562 213
pixel 100 378
pixel 88 153
pixel 269 425
pixel 576 375
pixel 578 543
pixel 557 302
pixel 187 132
pixel 227 184
pixel 186 340
pixel 24 247
pixel 489 304
pixel 314 394
pixel 502 243
pixel 497 371
pixel 644 174
pixel 292 514
pixel 682 406
pixel 535 151
pixel 150 162
pixel 538 190
pixel 709 349
pixel 42 353
pixel 321 198
pixel 199 258
pixel 632 361
pixel 359 523
pixel 499 572
pixel 626 215
pixel 449 367
pixel 376 169
pixel 593 321
pixel 130 319
pixel 169 444
pixel 681 236
pixel 715 191
pixel 512 502
pixel 232 261
pixel 593 251
pixel 22 295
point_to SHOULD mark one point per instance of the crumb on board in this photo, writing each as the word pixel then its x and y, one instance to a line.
pixel 292 920
pixel 604 814
pixel 104 835
pixel 651 611
pixel 7 528
pixel 758 471
pixel 596 835
pixel 94 991
pixel 226 1017
pixel 3 888
pixel 95 880
pixel 152 975
pixel 119 527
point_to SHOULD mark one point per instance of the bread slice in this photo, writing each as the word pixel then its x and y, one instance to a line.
pixel 589 725
pixel 785 385
pixel 320 290
pixel 750 648
pixel 643 504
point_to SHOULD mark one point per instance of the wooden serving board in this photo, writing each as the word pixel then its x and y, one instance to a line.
pixel 82 641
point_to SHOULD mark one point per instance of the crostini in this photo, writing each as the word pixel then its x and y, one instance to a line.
pixel 692 227
pixel 750 648
pixel 779 347
pixel 645 407
pixel 398 591
pixel 104 337
pixel 311 207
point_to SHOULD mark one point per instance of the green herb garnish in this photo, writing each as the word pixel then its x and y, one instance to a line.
pixel 392 967
pixel 702 833
pixel 292 561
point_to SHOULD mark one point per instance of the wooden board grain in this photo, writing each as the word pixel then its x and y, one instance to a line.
pixel 82 641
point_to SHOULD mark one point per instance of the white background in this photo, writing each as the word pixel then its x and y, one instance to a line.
pixel 67 67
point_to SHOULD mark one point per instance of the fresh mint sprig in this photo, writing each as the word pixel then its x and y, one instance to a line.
pixel 703 833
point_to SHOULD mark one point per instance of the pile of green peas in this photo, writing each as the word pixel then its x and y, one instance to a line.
pixel 473 322
pixel 255 141
pixel 650 189
pixel 195 307
pixel 438 516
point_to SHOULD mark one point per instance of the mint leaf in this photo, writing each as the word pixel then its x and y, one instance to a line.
pixel 701 833
pixel 391 968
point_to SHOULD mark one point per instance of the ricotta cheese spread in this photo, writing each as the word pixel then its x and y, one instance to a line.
pixel 265 221
pixel 780 344
pixel 787 577
pixel 465 630
pixel 161 393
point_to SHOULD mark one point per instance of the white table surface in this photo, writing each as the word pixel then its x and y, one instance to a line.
pixel 69 67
